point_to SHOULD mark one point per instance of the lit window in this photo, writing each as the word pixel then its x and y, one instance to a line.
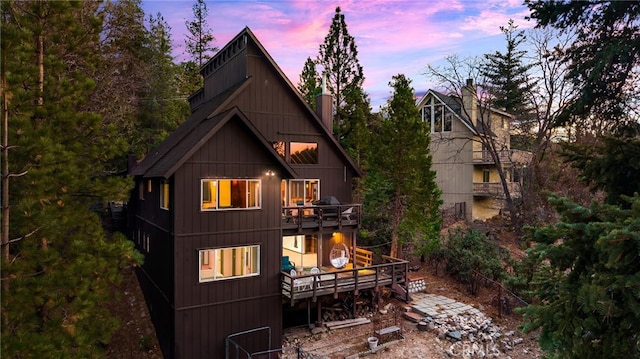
pixel 304 191
pixel 219 194
pixel 164 195
pixel 226 263
pixel 149 188
pixel 304 153
pixel 279 147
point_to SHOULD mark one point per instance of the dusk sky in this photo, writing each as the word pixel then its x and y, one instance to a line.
pixel 392 36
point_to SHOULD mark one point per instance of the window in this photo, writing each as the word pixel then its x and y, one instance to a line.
pixel 149 188
pixel 437 116
pixel 220 194
pixel 280 148
pixel 304 191
pixel 227 263
pixel 303 153
pixel 486 178
pixel 141 190
pixel 164 195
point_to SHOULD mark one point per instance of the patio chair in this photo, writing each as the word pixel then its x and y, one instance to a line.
pixel 346 214
pixel 297 283
pixel 315 270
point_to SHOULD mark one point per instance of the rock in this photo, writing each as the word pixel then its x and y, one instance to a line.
pixel 455 335
pixel 509 333
pixel 517 341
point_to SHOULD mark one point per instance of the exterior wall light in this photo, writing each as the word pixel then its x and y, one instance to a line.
pixel 270 173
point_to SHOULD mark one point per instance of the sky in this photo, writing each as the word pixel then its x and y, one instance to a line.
pixel 392 36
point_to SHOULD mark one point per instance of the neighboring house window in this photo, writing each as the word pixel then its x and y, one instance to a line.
pixel 486 176
pixel 437 116
pixel 304 191
pixel 303 153
pixel 221 194
pixel 226 263
pixel 164 195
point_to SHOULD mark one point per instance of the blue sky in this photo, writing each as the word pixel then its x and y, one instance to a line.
pixel 392 36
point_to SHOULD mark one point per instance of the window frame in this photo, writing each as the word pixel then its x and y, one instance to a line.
pixel 164 195
pixel 251 253
pixel 445 118
pixel 251 193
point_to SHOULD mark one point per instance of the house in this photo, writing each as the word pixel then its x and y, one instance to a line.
pixel 245 210
pixel 465 170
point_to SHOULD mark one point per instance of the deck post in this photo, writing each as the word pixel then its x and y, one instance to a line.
pixel 319 321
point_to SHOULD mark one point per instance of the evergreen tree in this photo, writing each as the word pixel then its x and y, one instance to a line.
pixel 163 108
pixel 401 192
pixel 61 265
pixel 507 74
pixel 199 40
pixel 587 279
pixel 603 59
pixel 310 82
pixel 338 57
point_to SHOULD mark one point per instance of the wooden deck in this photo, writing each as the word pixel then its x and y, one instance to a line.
pixel 298 219
pixel 331 281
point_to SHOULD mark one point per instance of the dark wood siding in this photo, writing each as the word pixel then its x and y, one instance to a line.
pixel 232 153
pixel 279 115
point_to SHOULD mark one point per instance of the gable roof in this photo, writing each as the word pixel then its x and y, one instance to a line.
pixel 166 161
pixel 329 134
pixel 452 105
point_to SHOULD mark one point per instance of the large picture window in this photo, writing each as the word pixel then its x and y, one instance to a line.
pixel 304 153
pixel 221 194
pixel 303 192
pixel 437 116
pixel 227 263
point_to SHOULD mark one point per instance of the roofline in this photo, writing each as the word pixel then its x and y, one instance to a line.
pixel 248 31
pixel 435 94
pixel 230 114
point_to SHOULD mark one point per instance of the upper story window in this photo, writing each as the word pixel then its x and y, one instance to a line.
pixel 226 263
pixel 303 192
pixel 303 153
pixel 141 190
pixel 164 194
pixel 438 116
pixel 223 194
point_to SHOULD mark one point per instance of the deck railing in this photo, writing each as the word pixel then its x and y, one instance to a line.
pixel 391 272
pixel 298 218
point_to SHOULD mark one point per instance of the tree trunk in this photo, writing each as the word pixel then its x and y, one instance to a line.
pixel 5 160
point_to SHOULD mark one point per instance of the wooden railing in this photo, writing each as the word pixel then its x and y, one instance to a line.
pixel 494 189
pixel 298 218
pixel 392 272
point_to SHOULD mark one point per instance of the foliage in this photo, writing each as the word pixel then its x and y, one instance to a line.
pixel 508 79
pixel 604 58
pixel 400 188
pixel 309 83
pixel 614 167
pixel 469 252
pixel 338 57
pixel 200 37
pixel 60 265
pixel 587 285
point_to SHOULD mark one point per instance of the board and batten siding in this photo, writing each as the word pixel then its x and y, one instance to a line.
pixel 233 152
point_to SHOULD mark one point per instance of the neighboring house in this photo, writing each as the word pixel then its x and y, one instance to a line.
pixel 238 207
pixel 465 171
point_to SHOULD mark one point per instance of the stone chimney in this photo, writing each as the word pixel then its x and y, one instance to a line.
pixel 470 101
pixel 324 106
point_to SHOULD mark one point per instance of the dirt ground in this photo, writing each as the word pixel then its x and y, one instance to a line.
pixel 352 342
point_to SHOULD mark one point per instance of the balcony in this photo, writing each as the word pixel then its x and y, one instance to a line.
pixel 494 189
pixel 484 157
pixel 320 218
pixel 392 272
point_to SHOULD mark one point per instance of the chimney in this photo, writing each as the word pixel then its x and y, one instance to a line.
pixel 470 101
pixel 324 106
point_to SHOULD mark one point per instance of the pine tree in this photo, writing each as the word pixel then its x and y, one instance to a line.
pixel 199 40
pixel 61 265
pixel 507 74
pixel 162 107
pixel 586 284
pixel 338 56
pixel 401 192
pixel 603 60
pixel 309 84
